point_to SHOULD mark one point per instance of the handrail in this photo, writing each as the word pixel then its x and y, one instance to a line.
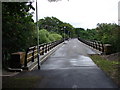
pixel 31 52
pixel 93 43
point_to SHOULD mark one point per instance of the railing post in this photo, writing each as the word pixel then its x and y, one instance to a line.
pixel 25 61
pixel 102 47
pixel 92 44
pixel 42 49
pixel 52 44
pixel 99 46
pixel 48 46
pixel 45 47
pixel 95 44
pixel 33 55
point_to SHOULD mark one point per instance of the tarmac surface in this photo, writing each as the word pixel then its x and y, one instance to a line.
pixel 70 67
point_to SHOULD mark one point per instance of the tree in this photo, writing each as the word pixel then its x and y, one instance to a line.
pixel 52 24
pixel 18 28
pixel 106 33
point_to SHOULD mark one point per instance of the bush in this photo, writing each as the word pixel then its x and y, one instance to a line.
pixel 46 36
pixel 43 35
pixel 51 38
pixel 56 36
pixel 106 33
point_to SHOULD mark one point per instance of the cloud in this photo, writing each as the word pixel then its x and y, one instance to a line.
pixel 81 13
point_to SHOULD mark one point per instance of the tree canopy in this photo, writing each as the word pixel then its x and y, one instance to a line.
pixel 18 28
pixel 52 24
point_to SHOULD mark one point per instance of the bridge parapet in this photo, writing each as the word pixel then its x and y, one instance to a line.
pixel 32 53
pixel 104 48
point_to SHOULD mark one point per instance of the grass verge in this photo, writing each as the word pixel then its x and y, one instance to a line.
pixel 111 68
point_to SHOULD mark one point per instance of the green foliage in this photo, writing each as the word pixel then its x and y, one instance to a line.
pixel 109 33
pixel 51 38
pixel 56 36
pixel 53 24
pixel 18 28
pixel 46 36
pixel 106 33
pixel 49 23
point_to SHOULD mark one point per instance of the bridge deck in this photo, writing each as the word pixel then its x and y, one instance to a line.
pixel 71 67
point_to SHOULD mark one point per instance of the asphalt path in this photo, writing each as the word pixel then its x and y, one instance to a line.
pixel 71 67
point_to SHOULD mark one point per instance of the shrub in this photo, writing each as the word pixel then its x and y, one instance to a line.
pixel 46 36
pixel 57 36
pixel 43 35
pixel 51 38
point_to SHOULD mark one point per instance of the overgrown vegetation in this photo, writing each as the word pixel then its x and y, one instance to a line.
pixel 106 33
pixel 110 67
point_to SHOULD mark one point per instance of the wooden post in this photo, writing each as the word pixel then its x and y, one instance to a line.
pixel 102 48
pixel 95 44
pixel 25 61
pixel 99 46
pixel 45 48
pixel 33 55
pixel 48 46
pixel 42 50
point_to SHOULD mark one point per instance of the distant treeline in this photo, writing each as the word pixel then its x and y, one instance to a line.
pixel 106 33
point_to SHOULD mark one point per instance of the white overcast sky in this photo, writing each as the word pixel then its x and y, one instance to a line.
pixel 80 13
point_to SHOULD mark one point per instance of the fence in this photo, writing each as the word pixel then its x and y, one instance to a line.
pixel 32 52
pixel 95 44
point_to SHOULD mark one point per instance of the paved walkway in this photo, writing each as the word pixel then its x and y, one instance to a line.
pixel 70 67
